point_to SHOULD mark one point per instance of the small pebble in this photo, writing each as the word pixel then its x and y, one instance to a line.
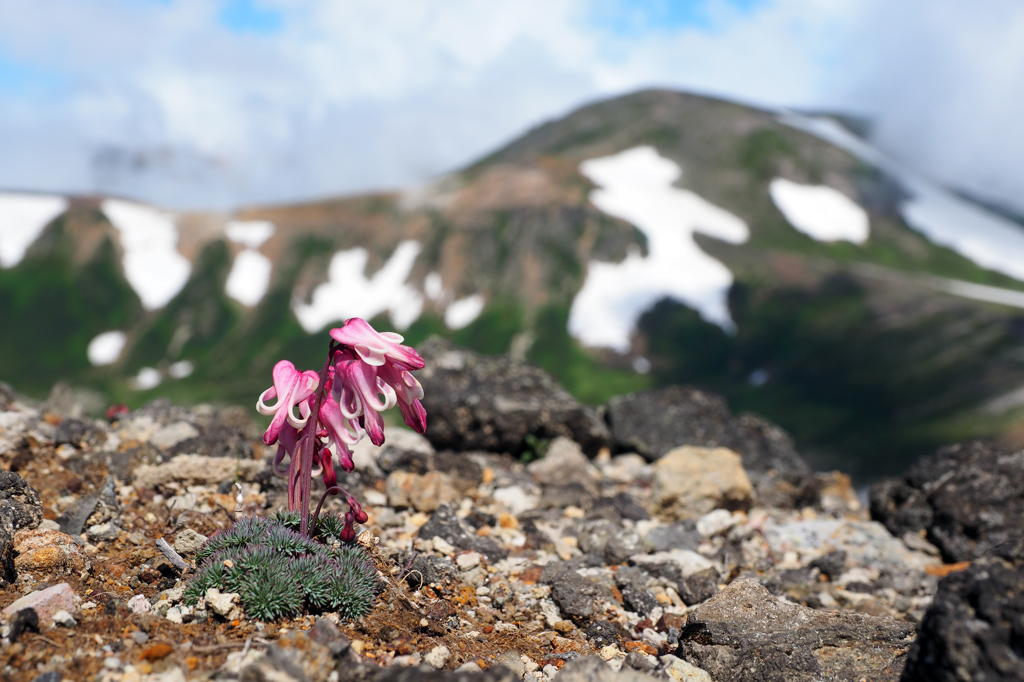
pixel 467 561
pixel 140 637
pixel 64 618
pixel 437 657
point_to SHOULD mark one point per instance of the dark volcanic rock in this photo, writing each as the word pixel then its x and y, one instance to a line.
pixel 477 402
pixel 652 423
pixel 78 433
pixel 968 498
pixel 576 596
pixel 632 583
pixel 974 628
pixel 602 633
pixel 698 587
pixel 424 673
pixel 430 570
pixel 216 441
pixel 618 507
pixel 446 525
pixel 683 535
pixel 19 503
pixel 744 633
pixel 72 521
pixel 8 573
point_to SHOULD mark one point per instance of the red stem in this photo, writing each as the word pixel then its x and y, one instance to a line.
pixel 306 463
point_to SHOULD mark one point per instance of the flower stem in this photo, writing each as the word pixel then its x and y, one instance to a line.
pixel 306 462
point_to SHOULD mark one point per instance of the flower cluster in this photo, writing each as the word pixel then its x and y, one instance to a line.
pixel 366 373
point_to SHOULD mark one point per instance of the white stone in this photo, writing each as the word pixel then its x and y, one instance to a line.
pixel 681 671
pixel 221 603
pixel 172 434
pixel 197 470
pixel 443 546
pixel 64 618
pixel 139 604
pixel 174 615
pixel 467 561
pixel 867 543
pixel 688 561
pixel 515 499
pixel 437 657
pixel 715 522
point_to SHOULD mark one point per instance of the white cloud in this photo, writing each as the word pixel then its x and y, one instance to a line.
pixel 159 101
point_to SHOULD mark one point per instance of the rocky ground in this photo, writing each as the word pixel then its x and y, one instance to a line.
pixel 660 538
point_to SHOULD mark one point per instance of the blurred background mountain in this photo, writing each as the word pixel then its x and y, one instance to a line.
pixel 829 234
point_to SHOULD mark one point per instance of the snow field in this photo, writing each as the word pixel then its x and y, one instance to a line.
pixel 821 212
pixel 637 186
pixel 152 264
pixel 348 292
pixel 22 219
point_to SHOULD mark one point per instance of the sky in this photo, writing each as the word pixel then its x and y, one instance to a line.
pixel 221 103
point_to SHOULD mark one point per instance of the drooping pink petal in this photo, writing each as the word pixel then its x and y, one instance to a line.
pixel 374 425
pixel 414 415
pixel 409 392
pixel 375 347
pixel 345 457
pixel 291 388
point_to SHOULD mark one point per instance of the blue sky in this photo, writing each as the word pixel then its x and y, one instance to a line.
pixel 247 16
pixel 216 103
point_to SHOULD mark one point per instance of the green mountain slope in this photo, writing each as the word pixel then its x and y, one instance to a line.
pixel 851 347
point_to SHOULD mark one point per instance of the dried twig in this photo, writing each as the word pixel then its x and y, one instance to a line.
pixel 171 555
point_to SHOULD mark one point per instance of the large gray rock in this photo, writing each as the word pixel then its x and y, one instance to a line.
pixel 968 499
pixel 974 628
pixel 744 634
pixel 478 402
pixel 654 422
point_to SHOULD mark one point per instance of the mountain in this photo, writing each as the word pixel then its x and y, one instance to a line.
pixel 651 239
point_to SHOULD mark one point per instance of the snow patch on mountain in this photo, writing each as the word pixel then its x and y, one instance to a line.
pixel 462 312
pixel 637 185
pixel 249 278
pixel 348 292
pixel 249 233
pixel 821 212
pixel 152 264
pixel 22 219
pixel 106 348
pixel 987 239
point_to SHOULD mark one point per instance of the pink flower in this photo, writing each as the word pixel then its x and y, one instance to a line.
pixel 374 347
pixel 291 388
pixel 342 432
pixel 362 394
pixel 409 393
